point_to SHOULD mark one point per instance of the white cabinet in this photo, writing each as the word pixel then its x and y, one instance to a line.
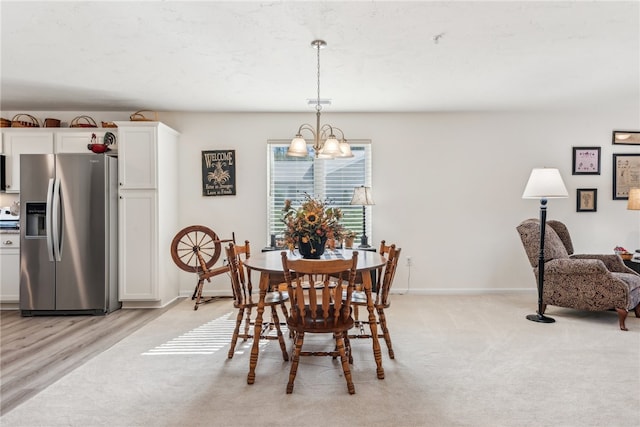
pixel 138 251
pixel 18 141
pixel 139 146
pixel 23 141
pixel 76 140
pixel 147 220
pixel 9 268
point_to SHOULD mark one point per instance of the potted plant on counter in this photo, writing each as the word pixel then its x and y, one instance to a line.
pixel 349 238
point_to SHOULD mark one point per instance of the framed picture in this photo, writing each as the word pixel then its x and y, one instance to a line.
pixel 625 137
pixel 586 200
pixel 626 174
pixel 586 161
pixel 219 173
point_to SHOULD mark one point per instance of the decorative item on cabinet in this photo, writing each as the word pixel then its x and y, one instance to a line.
pixel 83 122
pixel 24 121
pixel 5 123
pixel 51 123
pixel 109 125
pixel 108 140
pixel 138 116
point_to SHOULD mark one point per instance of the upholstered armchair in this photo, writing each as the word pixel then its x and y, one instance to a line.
pixel 582 282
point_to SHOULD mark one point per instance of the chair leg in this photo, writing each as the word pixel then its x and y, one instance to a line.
pixel 276 322
pixel 347 346
pixel 637 310
pixel 339 336
pixel 236 331
pixel 247 324
pixel 294 361
pixel 385 332
pixel 622 315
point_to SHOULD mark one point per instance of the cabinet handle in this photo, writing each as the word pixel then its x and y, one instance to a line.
pixel 8 242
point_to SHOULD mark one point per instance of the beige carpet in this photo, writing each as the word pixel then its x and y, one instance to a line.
pixel 460 361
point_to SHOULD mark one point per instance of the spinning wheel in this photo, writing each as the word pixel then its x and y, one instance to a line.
pixel 196 249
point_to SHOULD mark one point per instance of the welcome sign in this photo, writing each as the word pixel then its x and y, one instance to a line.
pixel 219 173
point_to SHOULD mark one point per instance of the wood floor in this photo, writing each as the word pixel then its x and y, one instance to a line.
pixel 37 351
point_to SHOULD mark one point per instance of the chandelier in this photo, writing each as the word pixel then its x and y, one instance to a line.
pixel 325 143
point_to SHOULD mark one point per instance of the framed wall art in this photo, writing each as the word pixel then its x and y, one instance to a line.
pixel 626 174
pixel 625 137
pixel 586 161
pixel 586 200
pixel 219 173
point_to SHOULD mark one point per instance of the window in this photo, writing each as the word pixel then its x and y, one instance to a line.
pixel 291 177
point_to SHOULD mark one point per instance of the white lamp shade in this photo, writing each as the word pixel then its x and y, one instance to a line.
pixel 545 183
pixel 362 196
pixel 331 147
pixel 298 147
pixel 634 199
pixel 345 149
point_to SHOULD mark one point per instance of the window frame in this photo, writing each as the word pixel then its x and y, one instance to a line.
pixel 351 212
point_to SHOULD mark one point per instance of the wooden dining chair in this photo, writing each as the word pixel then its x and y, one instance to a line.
pixel 380 297
pixel 244 301
pixel 317 306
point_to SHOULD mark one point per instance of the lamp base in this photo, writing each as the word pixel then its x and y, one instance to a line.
pixel 540 318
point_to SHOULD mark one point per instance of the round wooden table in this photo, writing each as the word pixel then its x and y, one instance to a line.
pixel 268 263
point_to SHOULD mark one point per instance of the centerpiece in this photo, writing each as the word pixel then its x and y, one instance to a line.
pixel 309 226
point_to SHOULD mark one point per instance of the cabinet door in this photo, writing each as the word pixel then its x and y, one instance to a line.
pixel 9 268
pixel 138 244
pixel 137 150
pixel 69 141
pixel 19 142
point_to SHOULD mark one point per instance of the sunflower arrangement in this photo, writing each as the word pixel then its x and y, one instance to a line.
pixel 314 221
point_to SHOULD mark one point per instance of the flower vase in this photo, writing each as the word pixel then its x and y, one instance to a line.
pixel 312 249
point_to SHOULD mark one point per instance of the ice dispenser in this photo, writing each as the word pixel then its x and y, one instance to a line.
pixel 36 219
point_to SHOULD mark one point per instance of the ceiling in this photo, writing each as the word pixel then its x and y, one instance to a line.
pixel 211 56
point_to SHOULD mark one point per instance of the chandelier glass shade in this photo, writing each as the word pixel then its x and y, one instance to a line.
pixel 325 143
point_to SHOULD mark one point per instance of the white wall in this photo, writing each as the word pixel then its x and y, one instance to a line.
pixel 447 187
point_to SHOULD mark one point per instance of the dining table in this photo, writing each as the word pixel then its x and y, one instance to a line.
pixel 270 263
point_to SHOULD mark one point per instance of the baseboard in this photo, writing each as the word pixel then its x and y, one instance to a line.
pixel 490 291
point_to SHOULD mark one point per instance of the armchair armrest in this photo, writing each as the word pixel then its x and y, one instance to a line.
pixel 613 262
pixel 575 266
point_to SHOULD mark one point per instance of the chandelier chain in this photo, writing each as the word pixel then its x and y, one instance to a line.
pixel 318 106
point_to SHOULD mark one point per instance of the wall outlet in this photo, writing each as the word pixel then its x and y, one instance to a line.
pixel 409 261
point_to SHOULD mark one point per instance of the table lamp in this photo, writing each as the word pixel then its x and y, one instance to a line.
pixel 362 197
pixel 633 203
pixel 543 184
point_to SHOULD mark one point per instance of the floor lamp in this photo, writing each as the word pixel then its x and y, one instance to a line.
pixel 362 197
pixel 633 203
pixel 543 184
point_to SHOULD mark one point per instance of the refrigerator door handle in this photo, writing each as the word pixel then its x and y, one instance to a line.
pixel 57 232
pixel 48 224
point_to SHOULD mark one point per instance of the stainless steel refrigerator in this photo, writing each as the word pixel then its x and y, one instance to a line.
pixel 68 234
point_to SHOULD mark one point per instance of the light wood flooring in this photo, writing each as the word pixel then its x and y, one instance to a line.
pixel 37 351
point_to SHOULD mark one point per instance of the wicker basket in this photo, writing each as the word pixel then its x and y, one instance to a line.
pixel 83 122
pixel 24 121
pixel 109 125
pixel 5 123
pixel 138 116
pixel 51 123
